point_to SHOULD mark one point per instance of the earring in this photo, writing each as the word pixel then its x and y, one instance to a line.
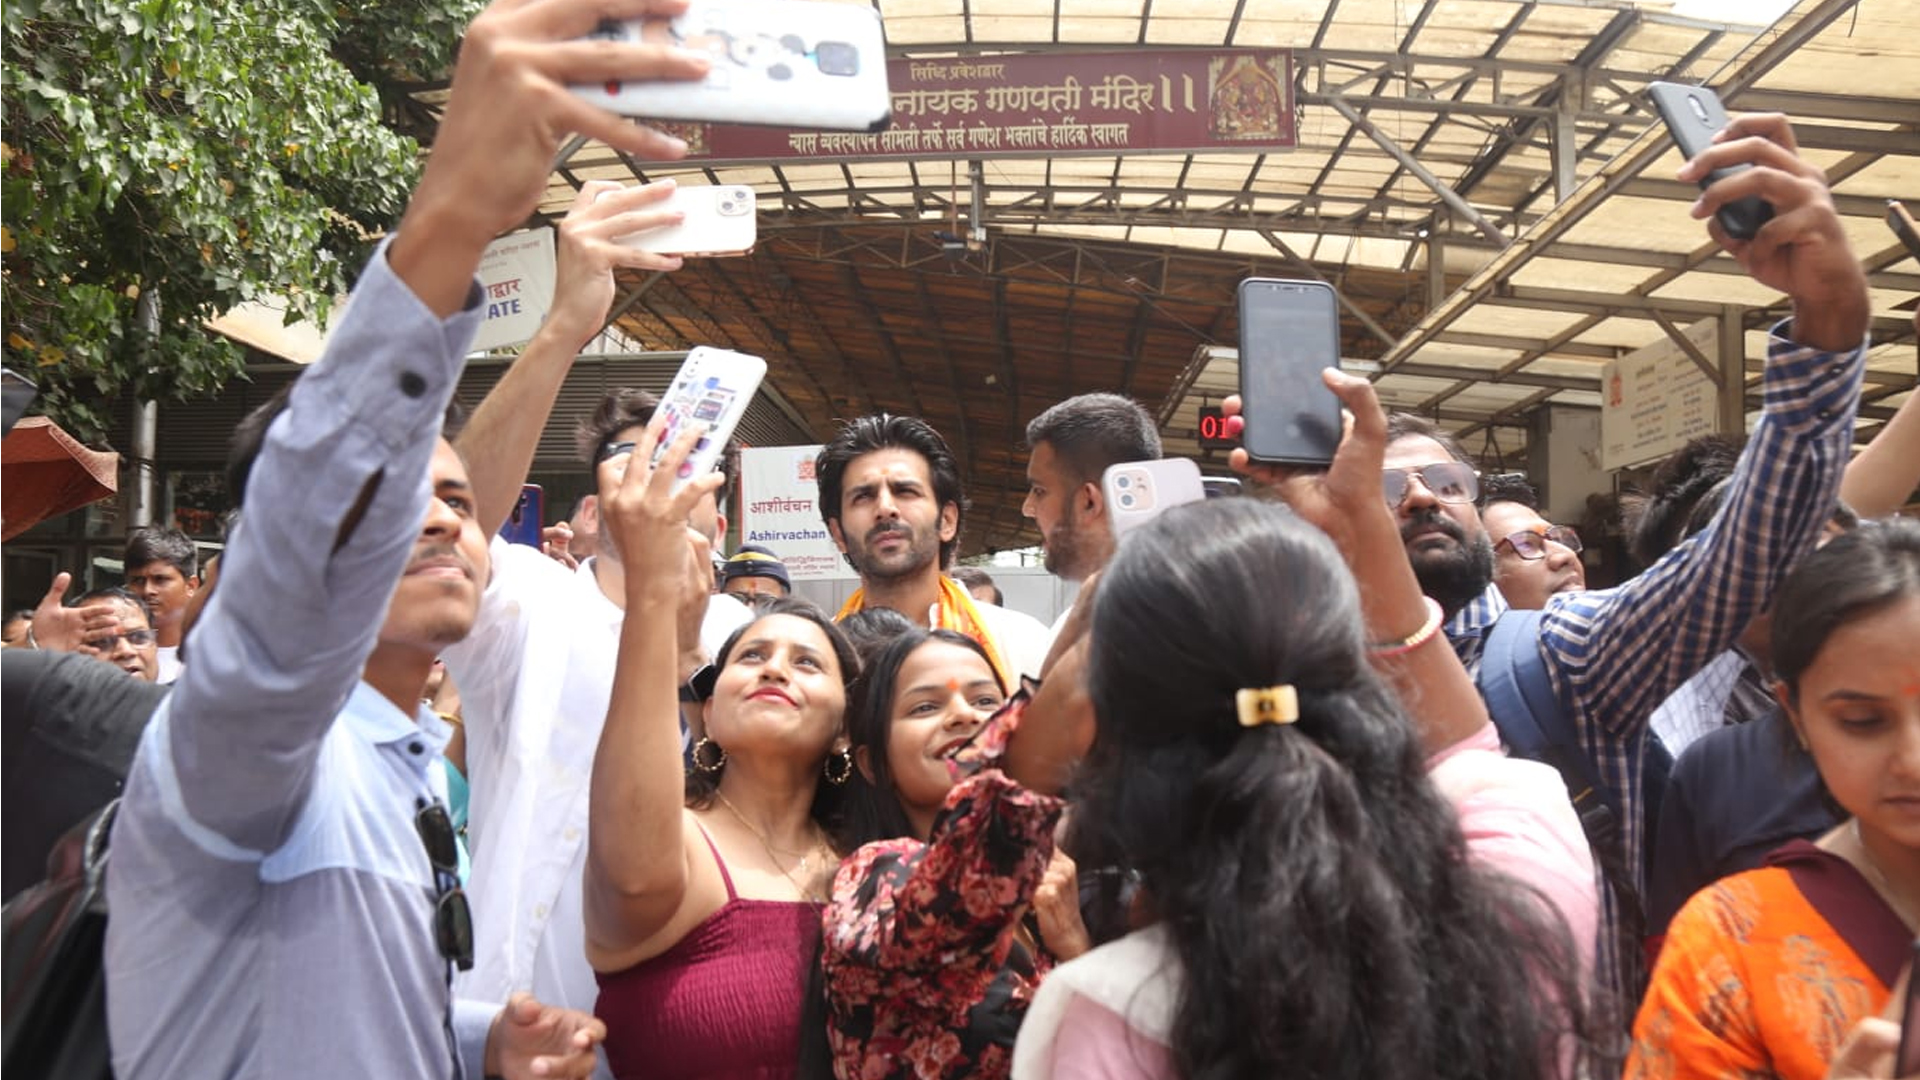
pixel 705 762
pixel 844 759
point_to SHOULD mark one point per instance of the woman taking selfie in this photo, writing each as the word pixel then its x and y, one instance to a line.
pixel 703 905
pixel 1764 973
pixel 1309 904
pixel 930 958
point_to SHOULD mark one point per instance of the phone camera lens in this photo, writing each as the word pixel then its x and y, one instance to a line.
pixel 1127 501
pixel 726 206
pixel 1123 481
pixel 837 58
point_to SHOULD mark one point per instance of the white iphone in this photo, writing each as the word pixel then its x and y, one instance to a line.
pixel 785 63
pixel 1139 491
pixel 714 388
pixel 719 221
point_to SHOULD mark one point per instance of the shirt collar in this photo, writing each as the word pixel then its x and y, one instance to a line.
pixel 373 718
pixel 1480 613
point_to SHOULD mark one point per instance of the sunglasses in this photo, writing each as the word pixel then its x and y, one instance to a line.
pixel 452 918
pixel 1447 481
pixel 612 449
pixel 139 639
pixel 1531 543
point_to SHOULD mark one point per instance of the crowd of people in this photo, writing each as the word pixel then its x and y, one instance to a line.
pixel 1354 777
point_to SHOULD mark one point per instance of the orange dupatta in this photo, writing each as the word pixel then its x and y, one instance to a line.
pixel 954 611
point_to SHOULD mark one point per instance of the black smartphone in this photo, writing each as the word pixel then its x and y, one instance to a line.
pixel 1907 1061
pixel 1694 115
pixel 1289 332
pixel 523 526
pixel 1903 226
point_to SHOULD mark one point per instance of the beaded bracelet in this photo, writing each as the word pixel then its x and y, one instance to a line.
pixel 1427 632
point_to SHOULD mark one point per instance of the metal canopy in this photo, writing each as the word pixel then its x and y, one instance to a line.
pixel 1482 180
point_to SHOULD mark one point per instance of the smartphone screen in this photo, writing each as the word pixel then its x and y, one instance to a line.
pixel 523 526
pixel 1289 332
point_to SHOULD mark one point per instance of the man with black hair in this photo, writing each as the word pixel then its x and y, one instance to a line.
pixel 891 497
pixel 536 674
pixel 163 568
pixel 1070 447
pixel 1533 559
pixel 284 893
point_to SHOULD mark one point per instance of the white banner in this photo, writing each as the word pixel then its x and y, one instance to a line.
pixel 516 275
pixel 1655 399
pixel 779 509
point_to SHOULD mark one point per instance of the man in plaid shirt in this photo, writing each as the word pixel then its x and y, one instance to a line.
pixel 1615 654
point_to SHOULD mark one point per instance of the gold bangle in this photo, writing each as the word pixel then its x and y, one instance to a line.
pixel 450 717
pixel 1427 632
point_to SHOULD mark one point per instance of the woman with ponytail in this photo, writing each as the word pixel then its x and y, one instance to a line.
pixel 1321 875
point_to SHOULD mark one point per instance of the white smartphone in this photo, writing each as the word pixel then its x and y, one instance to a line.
pixel 713 387
pixel 785 63
pixel 1139 491
pixel 720 221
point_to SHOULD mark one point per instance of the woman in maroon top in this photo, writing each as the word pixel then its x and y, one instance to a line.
pixel 929 958
pixel 702 915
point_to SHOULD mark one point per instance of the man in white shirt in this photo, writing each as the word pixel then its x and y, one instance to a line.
pixel 537 671
pixel 890 495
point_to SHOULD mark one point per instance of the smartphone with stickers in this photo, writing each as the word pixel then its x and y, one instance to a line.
pixel 719 221
pixel 1693 115
pixel 1289 333
pixel 523 526
pixel 1139 491
pixel 713 388
pixel 786 63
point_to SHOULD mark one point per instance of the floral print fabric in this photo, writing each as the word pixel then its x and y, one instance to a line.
pixel 925 977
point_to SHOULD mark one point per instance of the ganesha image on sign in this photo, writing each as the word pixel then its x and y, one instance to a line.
pixel 1245 98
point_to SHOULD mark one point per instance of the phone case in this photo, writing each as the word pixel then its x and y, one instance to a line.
pixel 1289 331
pixel 1139 491
pixel 526 524
pixel 786 63
pixel 1692 115
pixel 720 221
pixel 713 387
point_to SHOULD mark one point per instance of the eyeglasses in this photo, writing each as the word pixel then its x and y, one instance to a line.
pixel 1448 481
pixel 612 449
pixel 139 639
pixel 1531 543
pixel 452 918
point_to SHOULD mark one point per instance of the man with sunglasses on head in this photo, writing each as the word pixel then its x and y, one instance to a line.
pixel 1532 559
pixel 1613 654
pixel 284 900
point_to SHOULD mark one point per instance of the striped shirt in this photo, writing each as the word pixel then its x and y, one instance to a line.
pixel 1615 654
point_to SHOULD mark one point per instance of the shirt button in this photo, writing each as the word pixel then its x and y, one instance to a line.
pixel 412 385
pixel 416 747
pixel 1834 370
pixel 572 834
pixel 1826 414
pixel 539 911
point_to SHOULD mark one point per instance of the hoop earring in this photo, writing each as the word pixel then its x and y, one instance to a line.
pixel 702 760
pixel 845 773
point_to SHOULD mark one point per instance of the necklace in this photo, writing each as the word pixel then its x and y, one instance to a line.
pixel 767 846
pixel 1880 880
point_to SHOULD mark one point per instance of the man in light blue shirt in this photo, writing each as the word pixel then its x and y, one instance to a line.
pixel 282 900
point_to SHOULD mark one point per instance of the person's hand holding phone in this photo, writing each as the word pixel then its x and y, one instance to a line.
pixel 1803 251
pixel 585 254
pixel 507 114
pixel 645 518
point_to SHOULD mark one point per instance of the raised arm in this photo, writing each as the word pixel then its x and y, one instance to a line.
pixel 1346 503
pixel 338 493
pixel 637 850
pixel 1882 477
pixel 1629 647
pixel 500 438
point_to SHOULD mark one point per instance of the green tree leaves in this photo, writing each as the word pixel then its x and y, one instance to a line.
pixel 213 150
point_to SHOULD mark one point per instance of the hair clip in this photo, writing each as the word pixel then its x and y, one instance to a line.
pixel 1272 705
